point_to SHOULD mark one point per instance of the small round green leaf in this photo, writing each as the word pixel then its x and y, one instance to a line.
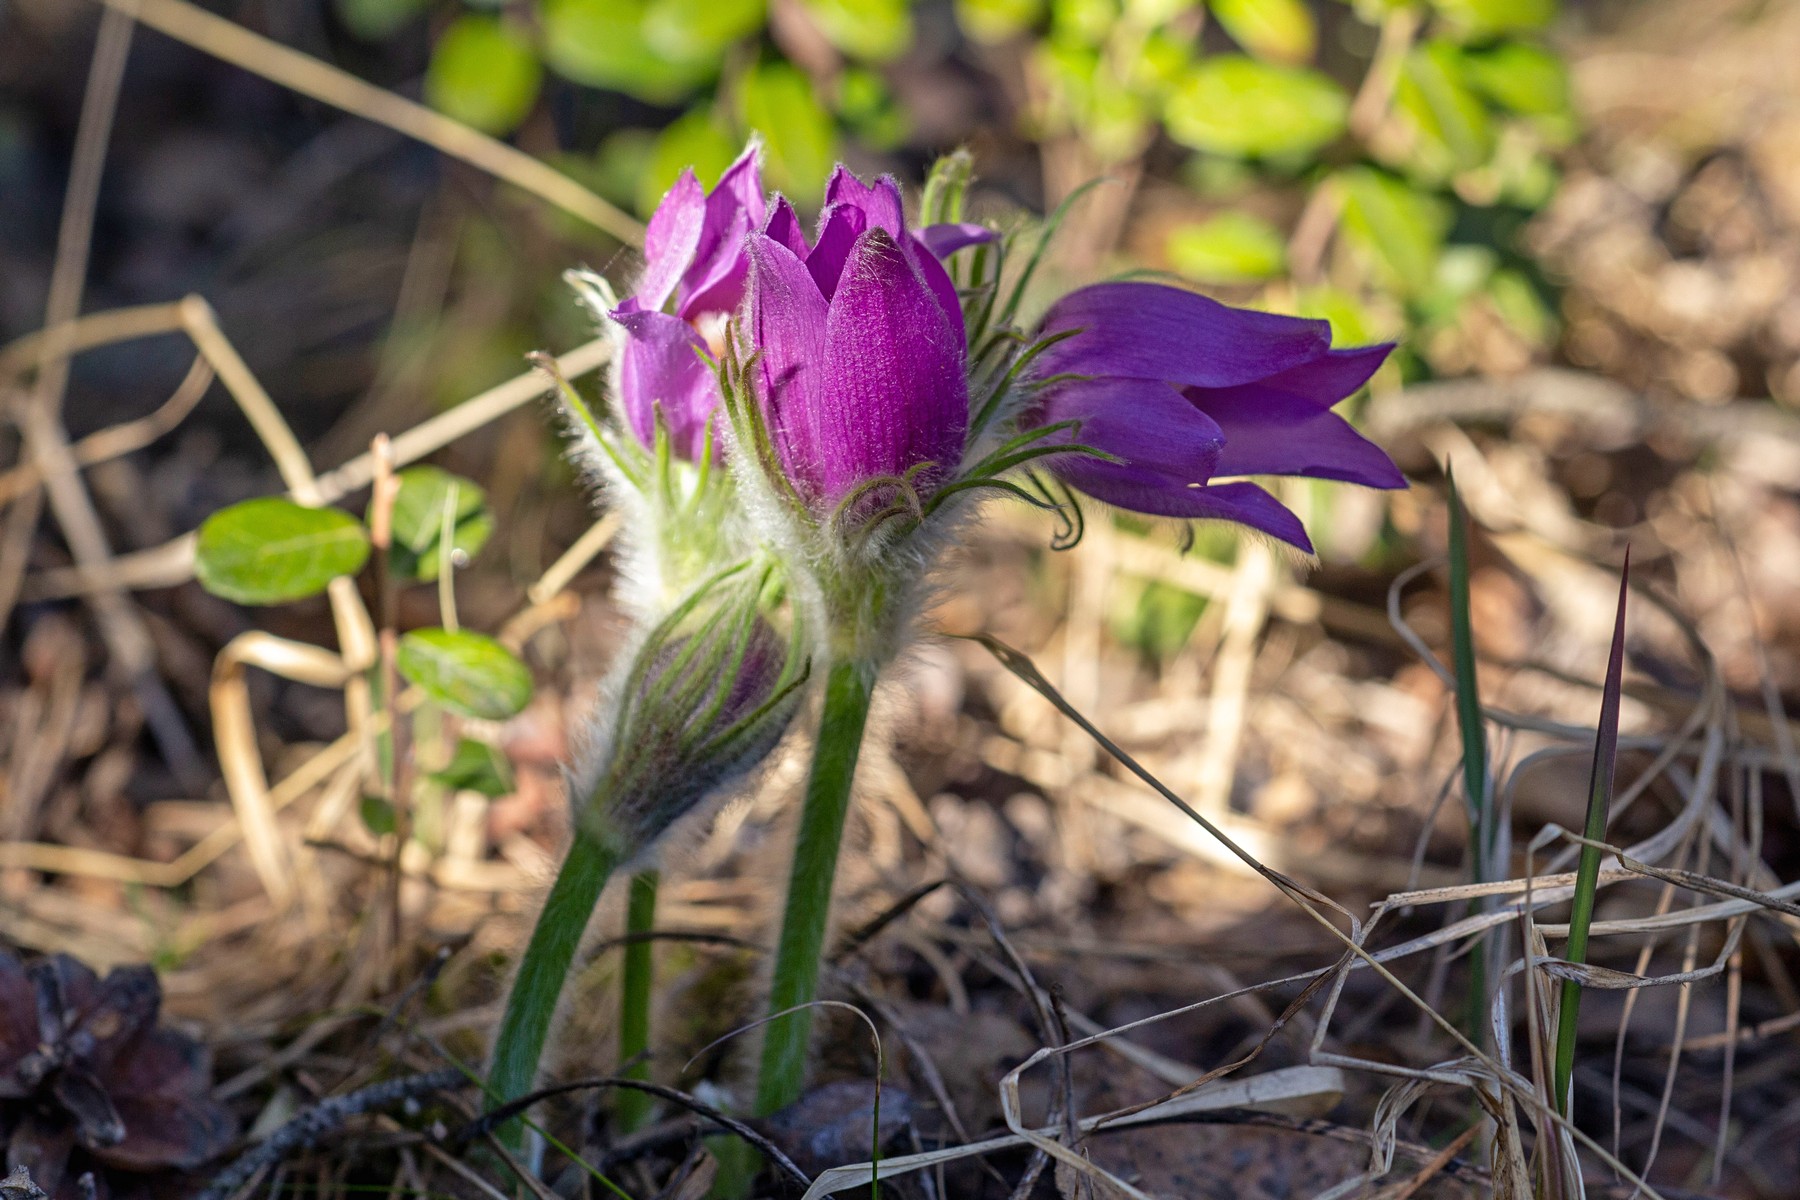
pixel 1279 30
pixel 426 493
pixel 476 767
pixel 995 21
pixel 1233 247
pixel 484 74
pixel 1452 127
pixel 604 44
pixel 1398 230
pixel 1230 104
pixel 1479 19
pixel 871 30
pixel 270 551
pixel 1523 78
pixel 468 673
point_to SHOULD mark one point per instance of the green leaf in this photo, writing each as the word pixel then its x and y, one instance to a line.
pixel 1398 230
pixel 603 44
pixel 476 767
pixel 1520 77
pixel 693 139
pixel 1233 247
pixel 994 21
pixel 377 20
pixel 1281 30
pixel 699 31
pixel 378 815
pixel 483 74
pixel 270 551
pixel 1476 20
pixel 871 30
pixel 869 110
pixel 799 140
pixel 419 507
pixel 1453 129
pixel 468 673
pixel 1229 104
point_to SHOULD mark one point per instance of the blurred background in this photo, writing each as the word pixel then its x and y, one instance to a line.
pixel 1579 220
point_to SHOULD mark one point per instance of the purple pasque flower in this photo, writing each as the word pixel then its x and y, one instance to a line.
pixel 693 281
pixel 860 367
pixel 1180 388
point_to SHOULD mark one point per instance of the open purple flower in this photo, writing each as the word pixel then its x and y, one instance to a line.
pixel 860 343
pixel 693 281
pixel 1180 389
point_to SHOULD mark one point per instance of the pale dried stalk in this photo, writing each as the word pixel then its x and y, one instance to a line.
pixel 310 77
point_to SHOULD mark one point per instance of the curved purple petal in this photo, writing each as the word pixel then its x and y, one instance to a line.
pixel 785 325
pixel 1333 377
pixel 715 282
pixel 784 226
pixel 1149 425
pixel 894 395
pixel 740 185
pixel 1269 431
pixel 938 280
pixel 945 240
pixel 879 202
pixel 839 227
pixel 671 239
pixel 665 363
pixel 1152 331
pixel 1244 503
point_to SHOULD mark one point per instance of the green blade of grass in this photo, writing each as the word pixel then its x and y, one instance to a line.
pixel 1473 728
pixel 1587 871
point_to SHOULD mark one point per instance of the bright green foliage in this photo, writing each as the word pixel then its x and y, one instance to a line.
pixel 871 30
pixel 1230 104
pixel 484 74
pixel 468 673
pixel 700 31
pixel 427 494
pixel 694 139
pixel 997 20
pixel 604 44
pixel 375 20
pixel 800 142
pixel 869 110
pixel 271 551
pixel 1397 229
pixel 1520 77
pixel 1233 247
pixel 1449 122
pixel 1480 19
pixel 1279 30
pixel 476 767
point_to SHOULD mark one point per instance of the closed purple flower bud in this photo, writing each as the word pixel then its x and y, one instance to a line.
pixel 674 325
pixel 1180 389
pixel 860 345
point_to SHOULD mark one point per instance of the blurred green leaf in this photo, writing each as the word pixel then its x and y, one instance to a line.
pixel 377 20
pixel 602 43
pixel 1230 104
pixel 1521 306
pixel 799 140
pixel 997 20
pixel 468 673
pixel 1451 122
pixel 378 816
pixel 1233 247
pixel 1398 230
pixel 426 492
pixel 1159 621
pixel 871 30
pixel 1352 324
pixel 476 767
pixel 693 139
pixel 869 109
pixel 1083 22
pixel 1281 30
pixel 1520 77
pixel 270 551
pixel 483 74
pixel 693 32
pixel 1479 19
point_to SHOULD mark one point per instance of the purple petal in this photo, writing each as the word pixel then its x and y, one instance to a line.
pixel 1244 503
pixel 786 325
pixel 1335 377
pixel 1273 432
pixel 784 226
pixel 945 240
pixel 740 186
pixel 670 240
pixel 1151 331
pixel 665 363
pixel 894 394
pixel 879 202
pixel 736 206
pixel 1149 425
pixel 839 227
pixel 938 280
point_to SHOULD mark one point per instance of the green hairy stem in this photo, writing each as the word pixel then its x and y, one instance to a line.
pixel 532 1002
pixel 634 1000
pixel 846 711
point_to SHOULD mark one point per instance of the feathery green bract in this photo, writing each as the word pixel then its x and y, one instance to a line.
pixel 1587 871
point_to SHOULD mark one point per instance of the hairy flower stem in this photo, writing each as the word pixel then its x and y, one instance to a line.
pixel 846 711
pixel 532 1003
pixel 634 1000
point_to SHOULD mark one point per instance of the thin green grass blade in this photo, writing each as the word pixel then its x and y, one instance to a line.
pixel 1587 870
pixel 1473 728
pixel 634 1001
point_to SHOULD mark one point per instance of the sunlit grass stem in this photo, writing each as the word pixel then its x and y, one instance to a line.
pixel 634 1000
pixel 846 711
